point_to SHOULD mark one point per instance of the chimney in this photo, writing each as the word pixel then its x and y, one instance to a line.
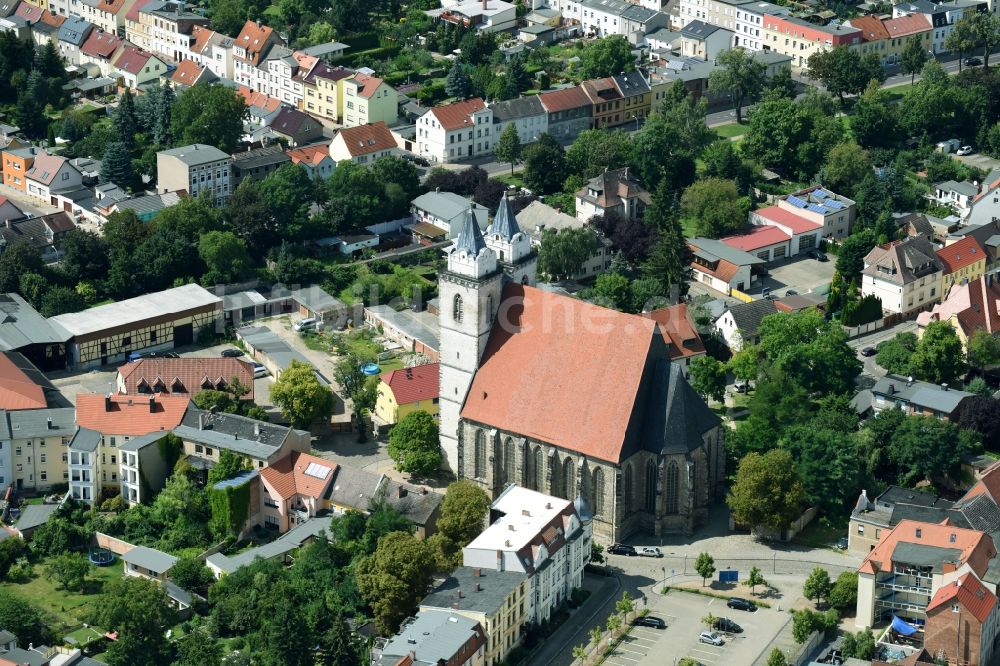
pixel 256 429
pixel 400 492
pixel 152 404
pixel 525 512
pixel 892 389
pixel 479 588
pixel 477 572
pixel 460 594
pixel 484 5
pixel 909 380
pixel 511 527
pixel 944 386
pixel 107 402
pixel 201 420
pixel 48 424
pixel 548 505
pixel 507 543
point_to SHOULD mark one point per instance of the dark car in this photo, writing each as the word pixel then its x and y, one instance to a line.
pixel 651 622
pixel 622 549
pixel 741 604
pixel 973 62
pixel 842 543
pixel 728 626
pixel 232 353
pixel 817 255
pixel 869 351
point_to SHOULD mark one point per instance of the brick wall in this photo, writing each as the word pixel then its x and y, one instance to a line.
pixel 953 634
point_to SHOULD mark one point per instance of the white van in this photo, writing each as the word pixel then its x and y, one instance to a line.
pixel 305 324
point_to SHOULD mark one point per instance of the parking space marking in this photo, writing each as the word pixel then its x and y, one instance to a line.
pixel 621 656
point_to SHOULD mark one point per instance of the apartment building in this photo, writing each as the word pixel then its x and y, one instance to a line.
pixel 888 37
pixel 205 435
pixel 363 144
pixel 165 28
pixel 294 489
pixel 526 114
pixel 322 92
pixel 195 168
pixel 600 18
pixel 569 111
pixel 72 34
pixel 249 51
pixel 833 212
pixel 33 447
pixel 455 131
pixel 366 99
pixel 961 263
pixel 905 275
pixel 478 15
pixel 749 22
pixel 83 467
pixel 800 39
pixel 544 537
pixel 720 13
pixel 16 163
pixel 941 16
pixel 433 637
pixel 212 50
pixel 107 15
pixel 99 49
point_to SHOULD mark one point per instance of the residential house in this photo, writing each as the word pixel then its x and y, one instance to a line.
pixel 497 600
pixel 24 330
pixel 600 18
pixel 8 211
pixel 973 640
pixel 749 22
pixel 888 37
pixel 295 489
pixel 280 549
pixel 569 111
pixel 712 12
pixel 315 159
pixel 433 637
pixel 919 398
pixel 42 232
pixel 107 15
pixel 617 192
pixel 364 99
pixel 162 320
pixel 99 49
pixel 212 50
pixel 137 68
pixel 249 51
pixel 135 30
pixel 32 517
pixel 447 210
pixel 704 41
pixel 835 213
pixel 295 127
pixel 165 28
pixel 941 16
pixel 283 71
pixel 934 229
pixel 607 101
pixel 363 144
pixel 739 323
pixel 50 174
pixel 455 131
pixel 538 219
pixel 957 196
pixel 961 262
pixel 636 96
pixel 679 332
pixel 321 91
pixel 721 267
pixel 905 274
pixel 402 392
pixel 189 73
pixel 256 164
pixel 116 419
pixel 526 114
pixel 969 306
pixel 72 34
pixel 545 537
pixel 870 518
pixel 985 206
pixel 415 332
pixel 799 39
pixel 355 489
pixel 478 15
pixel 33 445
pixel 148 563
pixel 194 169
pixel 84 469
pixel 910 565
pixel 314 303
pixel 262 110
pixel 143 467
pixel 16 163
pixel 184 376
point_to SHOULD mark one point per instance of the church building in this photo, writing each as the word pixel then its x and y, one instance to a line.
pixel 566 397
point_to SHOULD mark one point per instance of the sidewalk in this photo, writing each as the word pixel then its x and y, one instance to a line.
pixel 558 649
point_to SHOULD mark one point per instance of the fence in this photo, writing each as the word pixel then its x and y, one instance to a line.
pixel 855 331
pixel 737 294
pixel 116 546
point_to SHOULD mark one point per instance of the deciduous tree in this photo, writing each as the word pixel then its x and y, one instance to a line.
pixel 138 609
pixel 818 585
pixel 413 444
pixel 767 490
pixel 914 57
pixel 395 578
pixel 605 57
pixel 209 114
pixel 938 357
pixel 509 146
pixel 70 569
pixel 716 206
pixel 544 165
pixel 708 377
pixel 562 253
pixel 741 75
pixel 300 396
pixel 705 567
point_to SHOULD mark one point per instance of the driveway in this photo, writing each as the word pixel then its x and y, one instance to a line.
pixel 979 161
pixel 801 274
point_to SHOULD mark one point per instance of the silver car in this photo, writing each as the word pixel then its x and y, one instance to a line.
pixel 711 638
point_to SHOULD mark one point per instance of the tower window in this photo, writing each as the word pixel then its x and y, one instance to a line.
pixel 457 308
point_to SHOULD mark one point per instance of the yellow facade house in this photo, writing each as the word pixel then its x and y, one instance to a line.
pixel 963 261
pixel 401 392
pixel 34 447
pixel 321 92
pixel 365 100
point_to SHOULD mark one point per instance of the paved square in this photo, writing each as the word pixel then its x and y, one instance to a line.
pixel 801 274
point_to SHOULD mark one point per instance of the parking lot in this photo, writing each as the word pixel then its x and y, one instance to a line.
pixel 683 613
pixel 802 275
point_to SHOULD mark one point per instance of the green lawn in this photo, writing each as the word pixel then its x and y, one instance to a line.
pixel 730 130
pixel 689 224
pixel 63 608
pixel 512 180
pixel 83 635
pixel 391 364
pixel 359 344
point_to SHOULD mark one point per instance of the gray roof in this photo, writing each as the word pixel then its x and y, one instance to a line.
pixel 34 515
pixel 150 558
pixel 317 300
pixel 23 657
pixel 406 322
pixel 698 29
pixel 74 30
pixel 354 487
pixel 286 543
pixel 676 417
pixel 142 441
pixel 923 555
pixel 416 504
pixel 607 6
pixel 749 315
pixel 902 262
pixel 258 157
pixel 449 206
pixel 138 310
pixel 265 340
pixel 258 439
pixel 663 35
pixel 505 222
pixel 25 423
pixel 170 9
pixel 639 14
pixel 519 107
pixel 320 50
pixel 21 325
pixel 241 478
pixel 483 590
pixel 714 250
pixel 196 154
pixel 470 238
pixel 148 203
pixel 6 637
pixel 86 440
pixel 433 636
pixel 921 394
pixel 964 188
pixel 899 495
pixel 178 593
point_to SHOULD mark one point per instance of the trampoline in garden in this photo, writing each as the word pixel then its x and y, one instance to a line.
pixel 102 557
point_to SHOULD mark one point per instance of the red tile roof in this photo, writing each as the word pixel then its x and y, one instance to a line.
pixel 565 99
pixel 183 376
pixel 969 592
pixel 129 415
pixel 678 330
pixel 725 270
pixel 904 26
pixel 28 12
pixel 581 367
pixel 600 91
pixel 366 139
pixel 255 38
pixel 132 59
pixel 988 484
pixel 976 547
pixel 202 37
pixel 368 84
pixel 100 44
pixel 311 155
pixel 413 384
pixel 133 13
pixel 961 254
pixel 187 73
pixel 871 27
pixel 288 477
pixel 252 98
pixel 458 115
pixel 797 223
pixel 17 390
pixel 756 238
pixel 111 6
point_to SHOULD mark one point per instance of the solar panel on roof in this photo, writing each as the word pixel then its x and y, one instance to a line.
pixel 818 209
pixel 820 194
pixel 834 204
pixel 318 471
pixel 798 203
pixel 823 193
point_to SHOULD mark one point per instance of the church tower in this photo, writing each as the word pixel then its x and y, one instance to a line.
pixel 512 246
pixel 468 296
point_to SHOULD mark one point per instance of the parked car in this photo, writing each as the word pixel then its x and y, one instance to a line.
pixel 842 543
pixel 711 638
pixel 622 549
pixel 741 386
pixel 869 351
pixel 818 255
pixel 232 352
pixel 305 324
pixel 259 371
pixel 741 604
pixel 791 292
pixel 135 356
pixel 973 62
pixel 651 622
pixel 650 551
pixel 964 150
pixel 728 626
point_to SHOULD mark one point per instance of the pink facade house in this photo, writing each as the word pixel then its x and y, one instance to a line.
pixel 296 488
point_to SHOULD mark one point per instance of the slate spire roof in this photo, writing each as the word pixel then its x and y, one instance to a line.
pixel 505 223
pixel 470 238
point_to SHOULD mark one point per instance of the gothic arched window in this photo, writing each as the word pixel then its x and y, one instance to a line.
pixel 456 310
pixel 627 495
pixel 568 479
pixel 508 461
pixel 479 467
pixel 597 491
pixel 670 488
pixel 538 470
pixel 489 309
pixel 650 486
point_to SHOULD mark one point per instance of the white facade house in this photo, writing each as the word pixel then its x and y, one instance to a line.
pixel 50 174
pixel 540 535
pixel 480 15
pixel 526 114
pixel 83 465
pixel 194 168
pixel 906 275
pixel 456 131
pixel 212 50
pixel 749 22
pixel 942 17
